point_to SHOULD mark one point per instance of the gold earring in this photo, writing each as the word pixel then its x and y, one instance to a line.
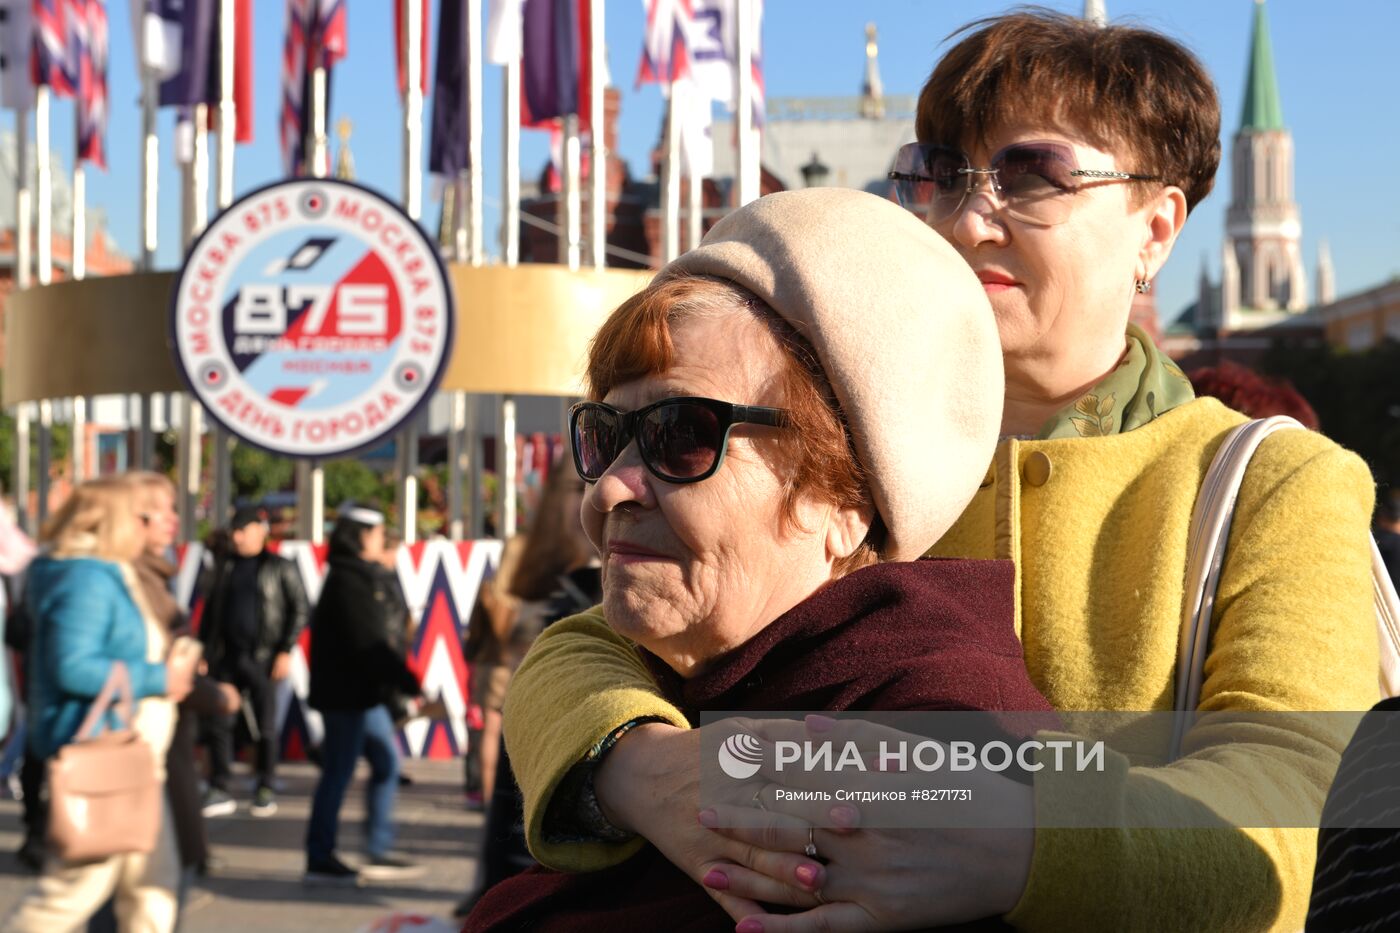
pixel 1143 286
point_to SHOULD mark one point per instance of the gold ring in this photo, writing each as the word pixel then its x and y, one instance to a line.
pixel 810 850
pixel 818 895
pixel 758 799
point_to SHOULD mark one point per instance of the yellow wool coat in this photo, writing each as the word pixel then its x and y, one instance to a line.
pixel 1097 528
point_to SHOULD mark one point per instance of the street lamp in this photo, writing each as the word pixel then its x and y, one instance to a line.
pixel 815 172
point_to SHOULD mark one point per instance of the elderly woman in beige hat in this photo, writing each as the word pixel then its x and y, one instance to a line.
pixel 1060 160
pixel 775 430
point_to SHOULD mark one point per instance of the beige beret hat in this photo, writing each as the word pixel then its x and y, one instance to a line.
pixel 904 333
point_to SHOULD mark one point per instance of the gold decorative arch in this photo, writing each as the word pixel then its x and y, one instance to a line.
pixel 521 330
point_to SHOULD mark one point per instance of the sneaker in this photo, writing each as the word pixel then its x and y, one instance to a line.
pixel 264 803
pixel 217 802
pixel 330 872
pixel 391 868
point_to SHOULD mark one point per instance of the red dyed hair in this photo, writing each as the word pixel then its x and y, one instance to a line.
pixel 1249 393
pixel 814 455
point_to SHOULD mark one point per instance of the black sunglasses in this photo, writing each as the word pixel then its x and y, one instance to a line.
pixel 681 440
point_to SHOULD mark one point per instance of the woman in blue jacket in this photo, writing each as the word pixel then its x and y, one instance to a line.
pixel 88 615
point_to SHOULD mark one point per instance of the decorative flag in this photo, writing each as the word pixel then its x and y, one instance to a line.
pixel 328 30
pixel 292 122
pixel 665 55
pixel 400 22
pixel 451 133
pixel 92 98
pixel 243 70
pixel 760 107
pixel 714 51
pixel 555 62
pixel 16 36
pixel 503 23
pixel 195 78
pixel 316 37
pixel 50 64
pixel 157 25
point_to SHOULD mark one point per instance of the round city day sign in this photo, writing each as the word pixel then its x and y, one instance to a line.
pixel 312 318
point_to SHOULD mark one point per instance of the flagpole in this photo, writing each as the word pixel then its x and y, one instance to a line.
pixel 413 206
pixel 413 111
pixel 598 154
pixel 44 218
pixel 24 268
pixel 310 475
pixel 695 208
pixel 748 186
pixel 79 255
pixel 222 454
pixel 195 208
pixel 476 241
pixel 671 237
pixel 150 174
pixel 510 236
pixel 510 154
pixel 471 247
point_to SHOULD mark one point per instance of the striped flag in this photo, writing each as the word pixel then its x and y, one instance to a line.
pixel 16 36
pixel 92 97
pixel 665 52
pixel 316 36
pixel 292 123
pixel 50 63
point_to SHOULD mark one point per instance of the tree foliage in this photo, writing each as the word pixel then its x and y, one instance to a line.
pixel 1356 396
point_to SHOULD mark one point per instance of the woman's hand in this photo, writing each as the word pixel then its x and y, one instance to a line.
pixel 884 878
pixel 649 784
pixel 179 674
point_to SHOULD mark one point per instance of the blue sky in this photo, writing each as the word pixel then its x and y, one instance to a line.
pixel 1337 71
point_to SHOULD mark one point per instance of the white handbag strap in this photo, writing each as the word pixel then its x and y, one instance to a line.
pixel 1205 555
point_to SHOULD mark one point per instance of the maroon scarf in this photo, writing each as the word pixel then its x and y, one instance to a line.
pixel 928 635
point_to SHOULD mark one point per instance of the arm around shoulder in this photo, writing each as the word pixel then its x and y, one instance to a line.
pixel 579 682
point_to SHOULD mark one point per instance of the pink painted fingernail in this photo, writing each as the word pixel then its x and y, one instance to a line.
pixel 818 723
pixel 708 818
pixel 749 925
pixel 716 879
pixel 845 817
pixel 808 875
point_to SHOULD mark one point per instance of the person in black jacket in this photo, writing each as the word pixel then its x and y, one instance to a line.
pixel 254 609
pixel 355 673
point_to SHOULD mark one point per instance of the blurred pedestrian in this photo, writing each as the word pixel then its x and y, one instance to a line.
pixel 556 574
pixel 88 614
pixel 254 609
pixel 155 500
pixel 355 672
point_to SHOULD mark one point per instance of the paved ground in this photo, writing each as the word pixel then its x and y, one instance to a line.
pixel 259 887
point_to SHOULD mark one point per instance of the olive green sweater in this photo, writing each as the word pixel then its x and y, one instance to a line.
pixel 1097 528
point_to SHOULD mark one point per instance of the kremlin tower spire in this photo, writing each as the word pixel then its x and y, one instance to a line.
pixel 1263 227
